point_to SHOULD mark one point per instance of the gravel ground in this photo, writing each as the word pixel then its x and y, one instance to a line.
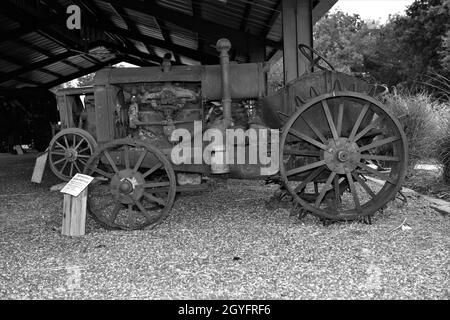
pixel 223 244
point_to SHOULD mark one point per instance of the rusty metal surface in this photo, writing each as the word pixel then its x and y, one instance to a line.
pixel 279 106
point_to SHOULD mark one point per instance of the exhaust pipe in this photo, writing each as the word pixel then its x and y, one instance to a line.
pixel 223 46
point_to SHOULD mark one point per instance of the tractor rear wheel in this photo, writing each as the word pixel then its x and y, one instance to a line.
pixel 332 151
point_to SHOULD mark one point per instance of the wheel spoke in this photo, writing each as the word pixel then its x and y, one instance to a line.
pixel 60 145
pixel 71 169
pixel 308 139
pixel 379 158
pixel 111 161
pixel 326 109
pixel 303 153
pixel 337 194
pixel 59 161
pixel 375 172
pixel 76 167
pixel 371 126
pixel 103 173
pixel 142 209
pixel 305 168
pixel 64 166
pixel 353 191
pixel 57 153
pixel 153 169
pixel 363 184
pixel 339 119
pixel 85 149
pixel 74 140
pixel 79 143
pixel 139 161
pixel 378 143
pixel 83 156
pixel 154 199
pixel 358 122
pixel 315 130
pixel 324 189
pixel 126 155
pixel 116 211
pixel 157 184
pixel 66 142
pixel 310 178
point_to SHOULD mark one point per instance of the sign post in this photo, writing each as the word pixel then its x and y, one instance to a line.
pixel 74 208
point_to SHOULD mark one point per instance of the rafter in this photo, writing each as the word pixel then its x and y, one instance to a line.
pixel 131 26
pixel 197 12
pixel 166 36
pixel 95 13
pixel 136 53
pixel 33 66
pixel 273 18
pixel 202 26
pixel 247 10
pixel 190 53
pixel 137 62
pixel 81 73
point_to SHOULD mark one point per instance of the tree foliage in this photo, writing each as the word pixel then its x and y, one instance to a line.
pixel 86 81
pixel 343 39
pixel 400 51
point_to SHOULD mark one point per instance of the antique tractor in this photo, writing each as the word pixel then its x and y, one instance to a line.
pixel 329 133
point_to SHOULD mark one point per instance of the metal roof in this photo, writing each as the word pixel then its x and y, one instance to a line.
pixel 37 49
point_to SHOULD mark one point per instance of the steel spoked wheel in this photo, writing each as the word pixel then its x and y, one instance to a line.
pixel 134 188
pixel 331 150
pixel 69 152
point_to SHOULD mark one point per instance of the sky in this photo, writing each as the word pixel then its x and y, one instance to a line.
pixel 373 9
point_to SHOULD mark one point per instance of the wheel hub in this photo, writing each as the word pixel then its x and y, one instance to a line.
pixel 341 155
pixel 126 185
pixel 71 155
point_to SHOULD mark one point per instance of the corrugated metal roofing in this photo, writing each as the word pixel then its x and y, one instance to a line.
pixel 141 30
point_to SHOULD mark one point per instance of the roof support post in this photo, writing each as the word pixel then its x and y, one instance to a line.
pixel 297 28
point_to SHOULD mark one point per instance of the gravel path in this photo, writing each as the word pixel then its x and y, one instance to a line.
pixel 222 244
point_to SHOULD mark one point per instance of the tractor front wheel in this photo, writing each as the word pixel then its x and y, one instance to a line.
pixel 134 186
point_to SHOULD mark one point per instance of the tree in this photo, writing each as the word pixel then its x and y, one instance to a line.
pixel 344 40
pixel 445 53
pixel 401 51
pixel 86 81
pixel 408 47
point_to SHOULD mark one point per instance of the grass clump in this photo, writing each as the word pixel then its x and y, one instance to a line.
pixel 423 122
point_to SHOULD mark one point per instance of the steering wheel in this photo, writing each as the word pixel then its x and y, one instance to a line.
pixel 309 53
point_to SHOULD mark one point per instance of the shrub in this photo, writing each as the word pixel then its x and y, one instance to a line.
pixel 423 122
pixel 443 147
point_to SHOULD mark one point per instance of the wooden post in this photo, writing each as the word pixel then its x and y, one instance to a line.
pixel 39 168
pixel 18 149
pixel 297 28
pixel 74 216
